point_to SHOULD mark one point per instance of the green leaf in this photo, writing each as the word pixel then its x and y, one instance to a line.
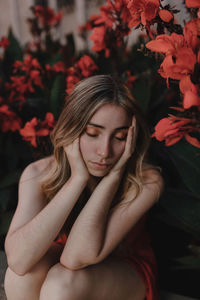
pixel 142 92
pixel 14 50
pixel 187 262
pixel 52 61
pixel 6 198
pixel 5 220
pixel 184 207
pixel 10 179
pixel 57 95
pixel 186 158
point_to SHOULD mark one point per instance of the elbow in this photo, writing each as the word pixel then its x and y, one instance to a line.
pixel 72 264
pixel 17 266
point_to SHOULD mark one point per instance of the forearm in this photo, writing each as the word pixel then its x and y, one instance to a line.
pixel 28 244
pixel 86 237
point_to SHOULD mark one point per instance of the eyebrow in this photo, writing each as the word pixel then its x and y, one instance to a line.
pixel 102 127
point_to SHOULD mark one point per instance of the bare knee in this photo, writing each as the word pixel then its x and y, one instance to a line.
pixel 68 284
pixel 28 286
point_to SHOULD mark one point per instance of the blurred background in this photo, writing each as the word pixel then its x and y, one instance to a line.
pixel 48 46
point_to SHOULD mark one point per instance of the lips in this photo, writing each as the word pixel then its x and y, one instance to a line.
pixel 99 165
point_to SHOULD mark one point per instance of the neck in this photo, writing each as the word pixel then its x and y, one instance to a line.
pixel 93 182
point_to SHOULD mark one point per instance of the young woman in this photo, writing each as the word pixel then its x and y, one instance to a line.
pixel 79 228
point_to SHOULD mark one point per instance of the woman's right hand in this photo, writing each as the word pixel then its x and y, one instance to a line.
pixel 77 165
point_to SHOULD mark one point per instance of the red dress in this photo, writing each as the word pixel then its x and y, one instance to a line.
pixel 136 250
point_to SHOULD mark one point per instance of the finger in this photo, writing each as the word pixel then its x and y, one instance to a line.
pixel 74 146
pixel 133 121
pixel 129 142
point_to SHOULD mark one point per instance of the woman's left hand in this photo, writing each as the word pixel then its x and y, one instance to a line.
pixel 129 149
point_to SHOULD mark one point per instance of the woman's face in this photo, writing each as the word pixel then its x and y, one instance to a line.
pixel 104 139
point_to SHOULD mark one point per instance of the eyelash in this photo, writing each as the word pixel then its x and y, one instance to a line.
pixel 95 135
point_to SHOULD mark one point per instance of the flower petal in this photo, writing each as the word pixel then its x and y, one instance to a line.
pixel 191 99
pixel 165 15
pixel 192 140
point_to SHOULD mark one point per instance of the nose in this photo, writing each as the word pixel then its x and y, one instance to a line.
pixel 104 148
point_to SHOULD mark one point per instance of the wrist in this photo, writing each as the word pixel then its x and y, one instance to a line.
pixel 78 179
pixel 115 175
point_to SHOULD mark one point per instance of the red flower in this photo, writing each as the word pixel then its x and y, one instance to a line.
pixel 165 15
pixel 192 34
pixel 8 119
pixel 72 78
pixel 191 98
pixel 192 3
pixel 36 128
pixel 47 16
pixel 110 27
pixel 180 59
pixel 87 66
pixel 90 23
pixel 59 67
pixel 22 85
pixel 130 80
pixel 142 11
pixel 4 43
pixel 179 66
pixel 98 36
pixel 172 131
pixel 49 120
pixel 167 44
pixel 36 78
pixel 113 11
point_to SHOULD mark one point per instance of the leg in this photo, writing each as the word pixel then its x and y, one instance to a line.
pixel 28 286
pixel 111 279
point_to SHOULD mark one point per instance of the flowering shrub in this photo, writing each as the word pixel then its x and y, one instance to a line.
pixel 162 69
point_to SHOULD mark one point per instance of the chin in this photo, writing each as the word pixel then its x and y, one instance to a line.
pixel 98 173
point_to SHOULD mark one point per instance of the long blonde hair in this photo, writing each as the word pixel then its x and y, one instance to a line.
pixel 88 96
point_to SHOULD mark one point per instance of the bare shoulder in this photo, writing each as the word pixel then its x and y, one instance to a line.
pixel 152 178
pixel 37 168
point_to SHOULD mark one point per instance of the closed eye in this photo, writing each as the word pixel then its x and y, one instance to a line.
pixel 121 139
pixel 92 135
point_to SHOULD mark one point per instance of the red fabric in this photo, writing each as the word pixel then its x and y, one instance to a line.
pixel 136 250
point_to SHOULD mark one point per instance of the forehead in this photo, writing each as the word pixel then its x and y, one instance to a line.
pixel 111 115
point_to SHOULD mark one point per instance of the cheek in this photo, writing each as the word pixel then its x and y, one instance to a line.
pixel 85 147
pixel 119 149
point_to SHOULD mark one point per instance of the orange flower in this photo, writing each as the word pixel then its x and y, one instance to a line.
pixel 180 65
pixel 167 44
pixel 172 131
pixel 180 59
pixel 165 15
